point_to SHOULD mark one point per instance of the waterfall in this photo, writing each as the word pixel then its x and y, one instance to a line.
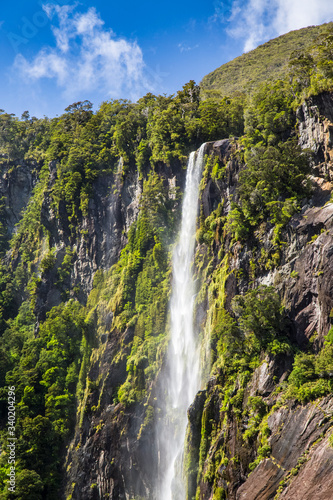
pixel 183 378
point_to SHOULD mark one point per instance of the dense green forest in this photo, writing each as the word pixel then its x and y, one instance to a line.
pixel 46 353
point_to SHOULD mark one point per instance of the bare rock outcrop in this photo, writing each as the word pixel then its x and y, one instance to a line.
pixel 315 118
pixel 300 456
pixel 16 184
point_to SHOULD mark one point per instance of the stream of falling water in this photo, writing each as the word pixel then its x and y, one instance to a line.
pixel 183 378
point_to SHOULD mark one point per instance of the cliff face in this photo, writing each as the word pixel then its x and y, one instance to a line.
pixel 16 185
pixel 113 206
pixel 300 455
pixel 115 453
pixel 248 437
pixel 101 234
pixel 315 118
pixel 296 435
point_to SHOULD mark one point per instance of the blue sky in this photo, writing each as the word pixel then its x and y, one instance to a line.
pixel 56 53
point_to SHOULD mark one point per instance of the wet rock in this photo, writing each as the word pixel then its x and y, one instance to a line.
pixel 315 479
pixel 192 444
pixel 296 433
pixel 114 448
pixel 253 489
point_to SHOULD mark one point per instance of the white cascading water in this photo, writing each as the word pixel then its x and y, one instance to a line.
pixel 183 379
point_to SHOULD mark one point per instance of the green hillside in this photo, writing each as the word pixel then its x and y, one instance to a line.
pixel 269 60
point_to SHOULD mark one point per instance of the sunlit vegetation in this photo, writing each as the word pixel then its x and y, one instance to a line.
pixel 270 59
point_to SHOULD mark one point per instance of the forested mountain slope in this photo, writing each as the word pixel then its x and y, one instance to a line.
pixel 247 71
pixel 90 210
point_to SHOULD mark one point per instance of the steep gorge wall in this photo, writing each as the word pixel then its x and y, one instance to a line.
pixel 100 235
pixel 298 463
pixel 16 185
pixel 113 206
pixel 113 453
pixel 105 456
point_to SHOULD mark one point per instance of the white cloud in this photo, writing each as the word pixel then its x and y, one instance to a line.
pixel 247 21
pixel 87 57
pixel 65 30
pixel 295 14
pixel 256 21
pixel 45 65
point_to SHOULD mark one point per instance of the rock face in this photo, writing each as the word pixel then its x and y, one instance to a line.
pixel 300 455
pixel 298 465
pixel 16 185
pixel 315 479
pixel 113 207
pixel 113 453
pixel 315 118
pixel 309 293
pixel 226 188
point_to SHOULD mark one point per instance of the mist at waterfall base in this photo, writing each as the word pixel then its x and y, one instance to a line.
pixel 181 380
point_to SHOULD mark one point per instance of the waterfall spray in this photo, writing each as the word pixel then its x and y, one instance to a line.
pixel 183 379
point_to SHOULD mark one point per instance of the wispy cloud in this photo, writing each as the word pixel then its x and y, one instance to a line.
pixel 251 21
pixel 256 21
pixel 183 47
pixel 87 57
